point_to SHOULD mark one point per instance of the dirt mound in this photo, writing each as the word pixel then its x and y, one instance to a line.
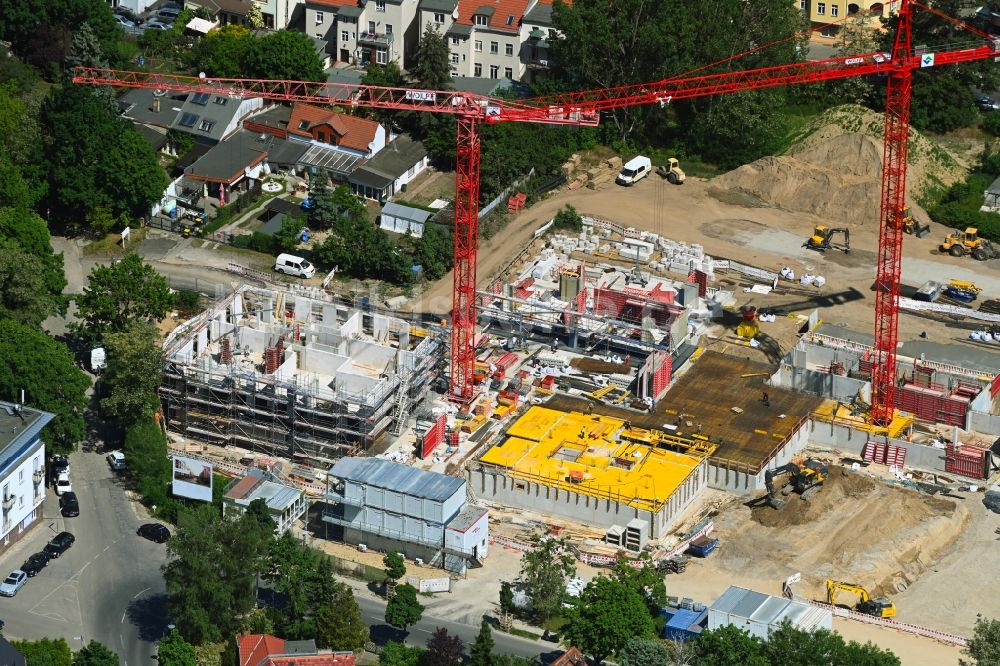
pixel 834 169
pixel 854 528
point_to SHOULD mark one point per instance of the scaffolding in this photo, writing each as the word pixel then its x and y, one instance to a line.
pixel 218 389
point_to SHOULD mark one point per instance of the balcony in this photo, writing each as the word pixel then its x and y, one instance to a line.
pixel 8 503
pixel 383 39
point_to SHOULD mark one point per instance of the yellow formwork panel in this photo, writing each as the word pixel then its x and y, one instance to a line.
pixel 581 452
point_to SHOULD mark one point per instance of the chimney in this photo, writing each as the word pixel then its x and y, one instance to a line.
pixel 156 105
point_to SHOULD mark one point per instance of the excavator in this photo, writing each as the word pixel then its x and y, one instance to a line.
pixel 802 480
pixel 880 607
pixel 822 239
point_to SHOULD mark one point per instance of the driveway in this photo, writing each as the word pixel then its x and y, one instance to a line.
pixel 107 586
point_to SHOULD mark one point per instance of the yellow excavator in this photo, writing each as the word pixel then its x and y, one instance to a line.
pixel 822 239
pixel 803 480
pixel 880 607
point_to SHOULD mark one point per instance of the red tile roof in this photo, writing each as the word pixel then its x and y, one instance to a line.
pixel 243 487
pixel 350 131
pixel 501 10
pixel 267 650
pixel 334 3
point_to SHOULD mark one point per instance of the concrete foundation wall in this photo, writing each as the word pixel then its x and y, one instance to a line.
pixel 988 424
pixel 384 545
pixel 733 480
pixel 835 387
pixel 853 442
pixel 493 485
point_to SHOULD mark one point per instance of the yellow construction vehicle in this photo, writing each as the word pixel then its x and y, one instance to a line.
pixel 822 239
pixel 880 607
pixel 969 243
pixel 803 480
pixel 911 226
pixel 672 171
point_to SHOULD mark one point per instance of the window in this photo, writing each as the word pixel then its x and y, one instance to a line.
pixel 802 4
pixel 206 125
pixel 477 69
pixel 494 70
pixel 455 41
pixel 344 36
pixel 319 35
pixel 319 17
pixel 187 120
pixel 482 19
pixel 303 124
pixel 321 135
pixel 479 46
pixel 371 27
pixel 388 28
pixel 380 5
pixel 221 101
pixel 508 72
pixel 381 57
pixel 201 99
pixel 454 58
pixel 510 19
pixel 494 48
pixel 834 10
pixel 20 475
pixel 820 8
pixel 438 18
pixel 509 49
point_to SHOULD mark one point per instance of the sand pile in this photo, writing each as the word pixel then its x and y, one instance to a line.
pixel 854 528
pixel 834 170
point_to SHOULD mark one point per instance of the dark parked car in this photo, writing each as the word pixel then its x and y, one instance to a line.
pixel 69 504
pixel 60 465
pixel 35 563
pixel 60 544
pixel 127 14
pixel 154 532
pixel 986 103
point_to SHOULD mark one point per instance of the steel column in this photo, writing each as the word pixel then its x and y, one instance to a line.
pixel 463 308
pixel 890 240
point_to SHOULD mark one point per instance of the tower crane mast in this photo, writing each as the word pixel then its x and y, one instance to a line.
pixel 584 109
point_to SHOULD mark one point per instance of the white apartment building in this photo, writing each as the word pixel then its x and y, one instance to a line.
pixel 22 470
pixel 364 32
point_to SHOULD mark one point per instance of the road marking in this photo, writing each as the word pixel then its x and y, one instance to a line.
pixel 142 592
pixel 123 614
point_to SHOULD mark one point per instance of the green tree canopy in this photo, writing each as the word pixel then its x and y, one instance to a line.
pixel 173 650
pixel 95 654
pixel 339 625
pixel 984 646
pixel 146 455
pixel 395 565
pixel 544 572
pixel 45 370
pixel 22 22
pixel 443 649
pixel 605 616
pixel 643 652
pixel 45 652
pixel 29 232
pixel 730 646
pixel 127 290
pixel 134 372
pixel 645 581
pixel 404 609
pixel 433 70
pixel 284 55
pixel 24 296
pixel 481 652
pixel 222 51
pixel 399 654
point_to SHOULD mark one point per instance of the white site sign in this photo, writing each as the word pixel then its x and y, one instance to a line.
pixel 434 584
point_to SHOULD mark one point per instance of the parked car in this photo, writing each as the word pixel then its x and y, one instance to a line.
pixel 987 104
pixel 116 460
pixel 156 25
pixel 35 563
pixel 167 15
pixel 128 14
pixel 14 582
pixel 69 505
pixel 124 22
pixel 60 544
pixel 63 484
pixel 154 532
pixel 60 465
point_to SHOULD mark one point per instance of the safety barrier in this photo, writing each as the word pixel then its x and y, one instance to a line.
pixel 923 306
pixel 245 271
pixel 943 636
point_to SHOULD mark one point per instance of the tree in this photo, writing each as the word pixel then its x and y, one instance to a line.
pixel 45 652
pixel 568 218
pixel 941 103
pixel 645 581
pixel 443 649
pixel 29 232
pixel 289 235
pixel 85 50
pixel 284 55
pixel 790 645
pixel 20 23
pixel 435 251
pixel 255 18
pixel 173 650
pixel 433 70
pixel 339 625
pixel 404 609
pixel 398 654
pixel 606 615
pixel 395 566
pixel 984 646
pixel 643 652
pixel 544 572
pixel 506 606
pixel 134 372
pixel 24 296
pixel 95 654
pixel 386 76
pixel 222 51
pixel 730 646
pixel 45 370
pixel 146 454
pixel 482 650
pixel 127 290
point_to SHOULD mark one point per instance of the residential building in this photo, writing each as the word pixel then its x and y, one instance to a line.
pixel 391 170
pixel 137 6
pixel 267 650
pixel 212 118
pixel 821 12
pixel 387 506
pixel 22 470
pixel 538 32
pixel 366 32
pixel 285 503
pixel 404 219
pixel 332 127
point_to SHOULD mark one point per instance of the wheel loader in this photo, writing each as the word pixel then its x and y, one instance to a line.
pixel 912 227
pixel 971 244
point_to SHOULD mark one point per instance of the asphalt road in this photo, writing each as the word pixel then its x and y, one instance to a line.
pixel 373 612
pixel 106 587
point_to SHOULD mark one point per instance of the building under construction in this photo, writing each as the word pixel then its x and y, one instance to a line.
pixel 295 374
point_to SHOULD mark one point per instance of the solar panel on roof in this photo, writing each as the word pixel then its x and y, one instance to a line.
pixel 188 120
pixel 200 98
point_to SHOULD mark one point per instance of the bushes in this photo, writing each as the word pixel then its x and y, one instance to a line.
pixel 258 242
pixel 146 452
pixel 959 207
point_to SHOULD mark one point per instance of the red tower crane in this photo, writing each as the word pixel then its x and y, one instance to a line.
pixel 584 108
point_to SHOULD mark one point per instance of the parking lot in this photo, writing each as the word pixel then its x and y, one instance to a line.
pixel 106 587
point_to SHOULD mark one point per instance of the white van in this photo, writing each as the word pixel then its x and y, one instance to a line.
pixel 292 265
pixel 634 170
